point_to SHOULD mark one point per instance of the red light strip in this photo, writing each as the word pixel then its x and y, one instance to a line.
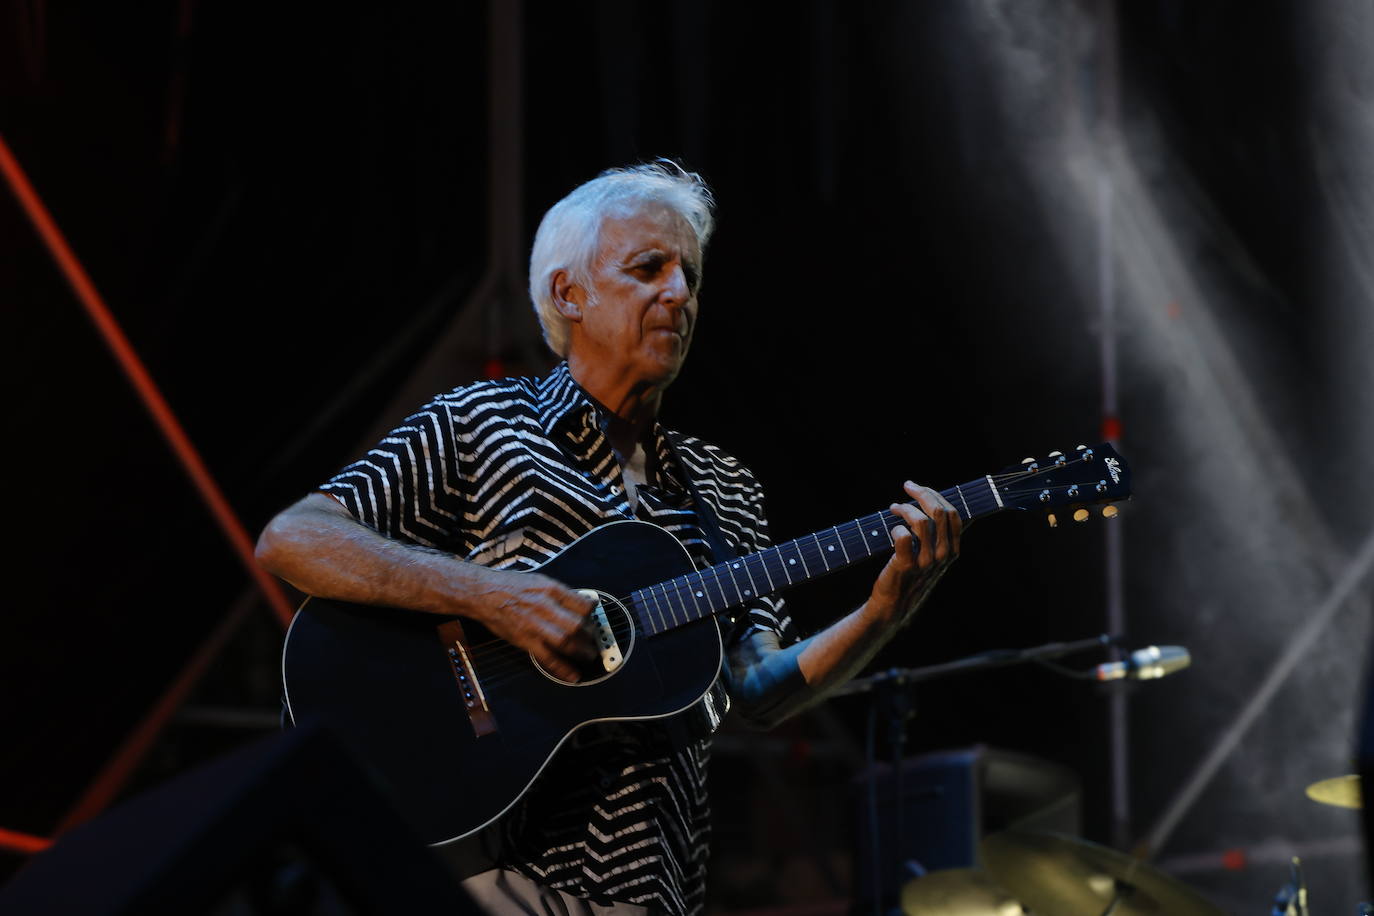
pixel 141 380
pixel 15 841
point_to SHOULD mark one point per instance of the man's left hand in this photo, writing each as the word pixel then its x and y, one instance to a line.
pixel 925 545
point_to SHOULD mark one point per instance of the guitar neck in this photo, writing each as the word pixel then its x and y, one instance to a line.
pixel 710 591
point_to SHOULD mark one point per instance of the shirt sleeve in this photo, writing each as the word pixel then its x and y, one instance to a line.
pixel 407 487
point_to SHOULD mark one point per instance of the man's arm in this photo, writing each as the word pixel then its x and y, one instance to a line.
pixel 771 684
pixel 318 547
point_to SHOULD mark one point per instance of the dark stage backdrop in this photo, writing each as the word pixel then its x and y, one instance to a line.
pixel 284 206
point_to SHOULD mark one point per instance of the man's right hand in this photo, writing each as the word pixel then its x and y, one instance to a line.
pixel 537 614
pixel 318 547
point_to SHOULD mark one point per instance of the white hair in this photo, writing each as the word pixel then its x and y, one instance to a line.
pixel 569 235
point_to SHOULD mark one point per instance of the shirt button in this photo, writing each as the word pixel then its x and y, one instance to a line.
pixel 615 489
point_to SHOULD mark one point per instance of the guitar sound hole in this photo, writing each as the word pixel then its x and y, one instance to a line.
pixel 613 632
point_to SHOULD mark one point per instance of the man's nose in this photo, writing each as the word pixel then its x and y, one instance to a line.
pixel 675 287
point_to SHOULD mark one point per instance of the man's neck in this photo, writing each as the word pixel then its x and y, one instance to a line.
pixel 633 406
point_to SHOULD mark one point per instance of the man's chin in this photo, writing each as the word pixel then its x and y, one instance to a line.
pixel 665 367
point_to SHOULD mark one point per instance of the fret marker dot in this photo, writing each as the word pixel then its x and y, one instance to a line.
pixel 698 594
pixel 873 534
pixel 792 562
pixel 736 566
pixel 747 592
pixel 831 548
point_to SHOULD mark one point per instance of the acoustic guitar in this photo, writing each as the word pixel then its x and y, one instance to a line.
pixel 461 723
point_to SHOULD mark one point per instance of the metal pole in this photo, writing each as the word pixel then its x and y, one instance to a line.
pixel 1108 136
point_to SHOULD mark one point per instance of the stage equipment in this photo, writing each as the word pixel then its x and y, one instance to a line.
pixel 945 805
pixel 938 808
pixel 957 892
pixel 1063 876
pixel 290 824
pixel 1145 664
pixel 1291 900
pixel 1341 791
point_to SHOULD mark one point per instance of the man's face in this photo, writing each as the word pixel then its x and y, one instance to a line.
pixel 643 309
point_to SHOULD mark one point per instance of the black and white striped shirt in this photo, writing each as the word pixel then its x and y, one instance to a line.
pixel 506 474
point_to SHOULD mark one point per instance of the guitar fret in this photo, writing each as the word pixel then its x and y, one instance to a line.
pixel 960 491
pixel 871 530
pixel 635 602
pixel 711 576
pixel 675 602
pixel 664 602
pixel 741 592
pixel 646 605
pixel 775 554
pixel 696 592
pixel 646 618
pixel 730 570
pixel 753 591
pixel 663 606
pixel 840 537
pixel 821 551
pixel 763 562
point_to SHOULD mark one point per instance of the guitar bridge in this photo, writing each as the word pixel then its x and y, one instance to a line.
pixel 474 699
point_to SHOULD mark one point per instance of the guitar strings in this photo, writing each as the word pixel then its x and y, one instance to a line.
pixel 500 658
pixel 718 580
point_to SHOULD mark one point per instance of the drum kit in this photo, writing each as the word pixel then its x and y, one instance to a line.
pixel 1049 874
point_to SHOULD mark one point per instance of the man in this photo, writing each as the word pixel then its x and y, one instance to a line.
pixel 496 477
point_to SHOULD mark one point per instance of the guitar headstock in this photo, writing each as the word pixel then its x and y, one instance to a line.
pixel 1085 477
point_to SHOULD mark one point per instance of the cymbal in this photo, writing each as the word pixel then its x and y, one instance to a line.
pixel 1057 875
pixel 1342 791
pixel 957 892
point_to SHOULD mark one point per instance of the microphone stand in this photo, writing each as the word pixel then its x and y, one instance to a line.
pixel 997 658
pixel 888 688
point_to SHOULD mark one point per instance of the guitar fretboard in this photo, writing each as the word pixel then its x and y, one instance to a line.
pixel 717 588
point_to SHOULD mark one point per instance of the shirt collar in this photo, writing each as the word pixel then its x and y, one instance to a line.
pixel 562 400
pixel 564 405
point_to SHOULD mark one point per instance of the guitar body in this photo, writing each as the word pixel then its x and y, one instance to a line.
pixel 383 679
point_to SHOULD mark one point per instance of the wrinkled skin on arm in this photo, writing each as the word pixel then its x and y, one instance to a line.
pixel 318 547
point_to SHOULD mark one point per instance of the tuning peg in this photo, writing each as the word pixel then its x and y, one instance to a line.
pixel 1055 454
pixel 1109 512
pixel 1080 448
pixel 1053 520
pixel 1028 461
pixel 1080 515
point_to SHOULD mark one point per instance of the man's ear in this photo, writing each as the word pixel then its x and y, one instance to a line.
pixel 568 297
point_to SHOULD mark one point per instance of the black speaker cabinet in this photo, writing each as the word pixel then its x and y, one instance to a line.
pixel 289 825
pixel 936 812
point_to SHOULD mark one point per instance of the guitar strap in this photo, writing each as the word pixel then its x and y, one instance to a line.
pixel 706 516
